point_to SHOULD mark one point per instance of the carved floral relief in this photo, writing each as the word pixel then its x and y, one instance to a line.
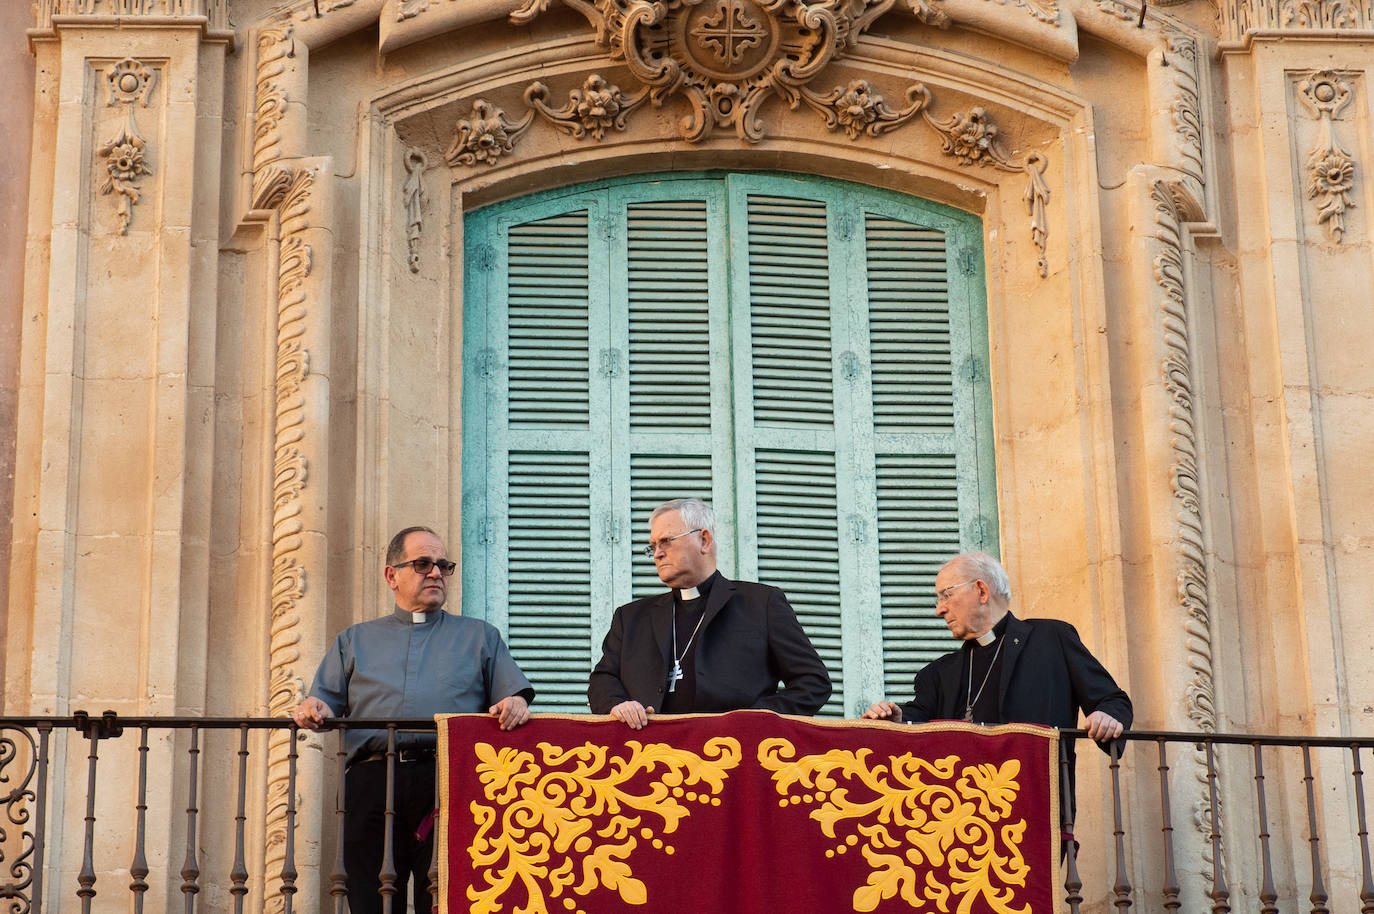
pixel 591 110
pixel 126 156
pixel 1329 170
pixel 485 135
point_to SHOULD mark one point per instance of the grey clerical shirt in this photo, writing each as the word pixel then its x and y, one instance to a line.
pixel 393 667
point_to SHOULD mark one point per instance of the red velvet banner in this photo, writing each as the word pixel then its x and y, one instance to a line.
pixel 747 813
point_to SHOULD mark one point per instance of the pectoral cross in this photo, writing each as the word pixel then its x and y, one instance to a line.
pixel 968 712
pixel 674 676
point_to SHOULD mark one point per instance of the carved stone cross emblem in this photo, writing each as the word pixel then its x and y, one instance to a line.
pixel 729 33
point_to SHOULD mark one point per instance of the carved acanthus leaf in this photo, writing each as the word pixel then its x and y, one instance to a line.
pixel 593 109
pixel 485 135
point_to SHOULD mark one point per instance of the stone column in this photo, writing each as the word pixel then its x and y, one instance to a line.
pixel 109 563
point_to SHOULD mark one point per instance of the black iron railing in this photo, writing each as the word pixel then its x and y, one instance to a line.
pixel 1327 802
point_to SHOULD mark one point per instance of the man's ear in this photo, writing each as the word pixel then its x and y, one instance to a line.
pixel 707 542
pixel 389 574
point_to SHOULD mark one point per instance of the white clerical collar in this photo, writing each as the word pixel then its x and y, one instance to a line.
pixel 986 638
pixel 421 618
pixel 689 593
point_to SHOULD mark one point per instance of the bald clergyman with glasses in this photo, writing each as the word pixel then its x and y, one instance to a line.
pixel 416 661
pixel 710 644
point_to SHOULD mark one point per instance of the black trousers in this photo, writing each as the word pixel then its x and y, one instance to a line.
pixel 365 834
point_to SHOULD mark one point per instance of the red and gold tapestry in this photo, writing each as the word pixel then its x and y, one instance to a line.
pixel 749 813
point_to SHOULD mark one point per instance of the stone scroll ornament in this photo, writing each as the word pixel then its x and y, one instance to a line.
pixel 725 57
pixel 1330 171
pixel 126 156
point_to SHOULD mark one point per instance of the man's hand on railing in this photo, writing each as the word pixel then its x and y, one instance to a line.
pixel 884 710
pixel 633 714
pixel 310 713
pixel 1102 727
pixel 511 711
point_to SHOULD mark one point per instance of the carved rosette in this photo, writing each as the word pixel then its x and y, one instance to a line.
pixel 591 110
pixel 1330 171
pixel 126 156
pixel 485 135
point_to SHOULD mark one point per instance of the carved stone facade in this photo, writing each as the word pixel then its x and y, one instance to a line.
pixel 237 320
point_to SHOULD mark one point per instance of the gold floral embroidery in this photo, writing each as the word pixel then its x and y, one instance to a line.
pixel 909 812
pixel 551 836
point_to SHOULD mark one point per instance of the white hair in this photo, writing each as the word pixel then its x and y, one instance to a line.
pixel 982 567
pixel 695 513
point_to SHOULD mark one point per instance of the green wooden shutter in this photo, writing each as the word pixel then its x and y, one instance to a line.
pixel 797 350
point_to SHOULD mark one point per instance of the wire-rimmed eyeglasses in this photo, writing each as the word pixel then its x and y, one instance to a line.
pixel 653 547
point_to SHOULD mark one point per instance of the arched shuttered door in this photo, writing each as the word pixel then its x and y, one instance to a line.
pixel 809 355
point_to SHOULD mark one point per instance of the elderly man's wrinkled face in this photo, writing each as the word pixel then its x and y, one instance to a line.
pixel 964 603
pixel 682 560
pixel 416 592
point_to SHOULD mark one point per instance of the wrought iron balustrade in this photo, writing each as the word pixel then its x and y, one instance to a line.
pixel 1319 859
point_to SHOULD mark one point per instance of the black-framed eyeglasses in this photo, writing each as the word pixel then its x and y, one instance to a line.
pixel 425 566
pixel 653 547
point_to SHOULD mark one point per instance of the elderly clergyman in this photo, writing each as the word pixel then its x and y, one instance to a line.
pixel 416 661
pixel 1008 670
pixel 708 645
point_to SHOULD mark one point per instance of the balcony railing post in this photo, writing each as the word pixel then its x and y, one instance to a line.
pixel 1171 887
pixel 1122 887
pixel 1073 885
pixel 40 833
pixel 190 870
pixel 1269 896
pixel 138 870
pixel 1366 877
pixel 338 879
pixel 388 871
pixel 1318 896
pixel 288 865
pixel 238 873
pixel 1221 895
pixel 94 730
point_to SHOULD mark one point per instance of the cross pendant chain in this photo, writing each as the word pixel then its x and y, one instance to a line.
pixel 968 712
pixel 674 676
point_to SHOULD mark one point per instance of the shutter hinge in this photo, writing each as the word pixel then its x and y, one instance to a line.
pixel 845 226
pixel 487 363
pixel 485 534
pixel 850 366
pixel 610 362
pixel 965 259
pixel 486 257
pixel 858 528
pixel 611 526
pixel 972 370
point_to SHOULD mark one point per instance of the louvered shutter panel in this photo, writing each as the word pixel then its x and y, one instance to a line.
pixel 787 424
pixel 529 555
pixel 919 418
